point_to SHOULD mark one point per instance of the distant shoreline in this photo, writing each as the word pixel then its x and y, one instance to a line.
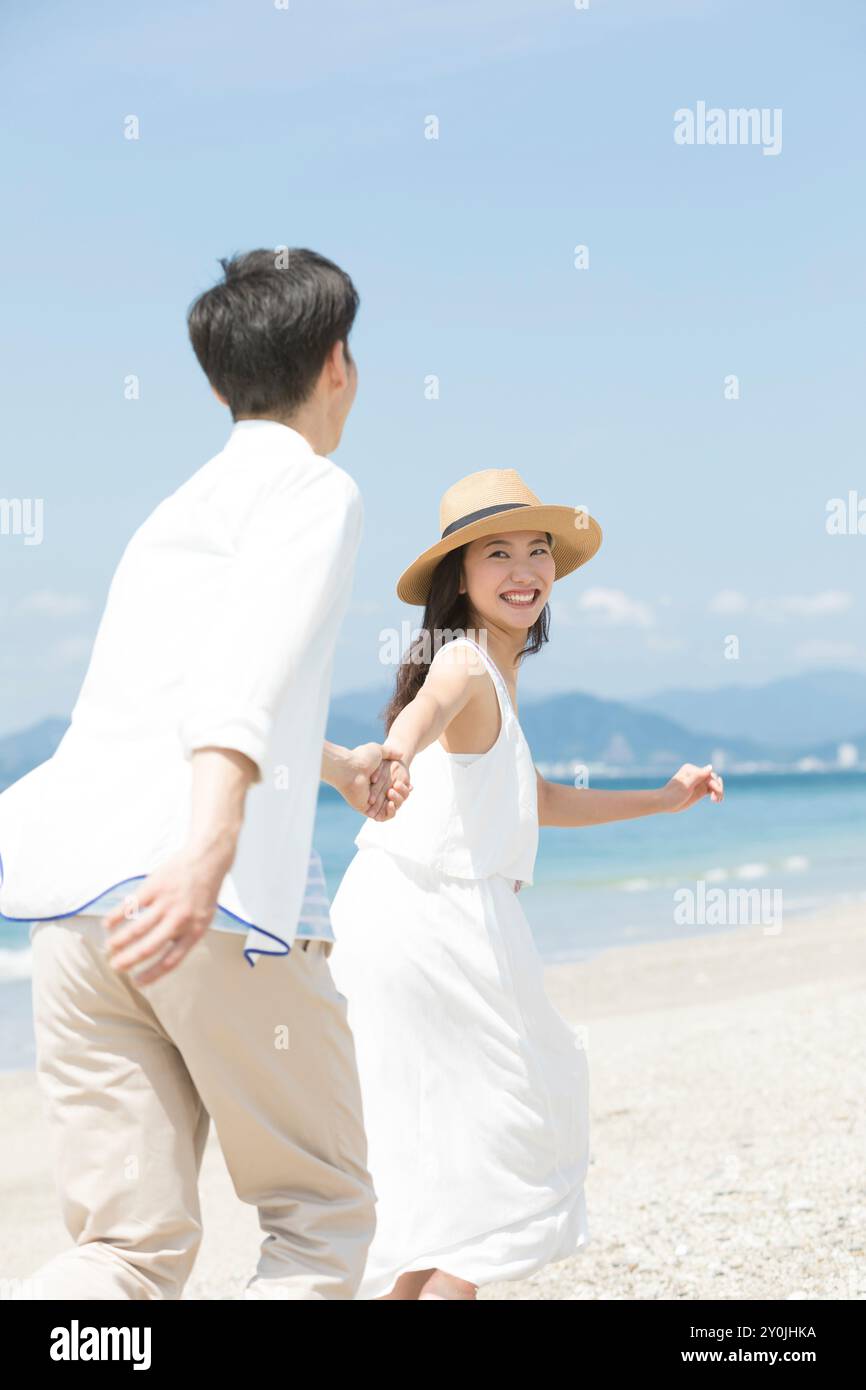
pixel 604 772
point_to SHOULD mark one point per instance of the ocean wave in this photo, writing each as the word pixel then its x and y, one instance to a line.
pixel 758 870
pixel 795 861
pixel 16 965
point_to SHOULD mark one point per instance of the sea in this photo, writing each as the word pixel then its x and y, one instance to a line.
pixel 779 845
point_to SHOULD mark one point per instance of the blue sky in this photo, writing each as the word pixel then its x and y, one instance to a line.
pixel 304 126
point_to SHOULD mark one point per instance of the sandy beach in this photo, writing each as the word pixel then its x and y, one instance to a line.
pixel 728 1128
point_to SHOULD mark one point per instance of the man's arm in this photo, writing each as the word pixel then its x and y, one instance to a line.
pixel 258 629
pixel 177 902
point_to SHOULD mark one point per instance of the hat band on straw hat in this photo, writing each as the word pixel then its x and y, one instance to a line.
pixel 477 516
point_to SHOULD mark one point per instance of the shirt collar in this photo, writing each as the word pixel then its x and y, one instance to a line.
pixel 269 431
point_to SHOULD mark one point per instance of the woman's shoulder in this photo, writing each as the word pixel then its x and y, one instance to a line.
pixel 456 663
pixel 460 652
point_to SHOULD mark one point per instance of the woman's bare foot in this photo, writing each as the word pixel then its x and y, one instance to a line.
pixel 408 1286
pixel 442 1285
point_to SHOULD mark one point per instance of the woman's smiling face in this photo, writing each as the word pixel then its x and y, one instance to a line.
pixel 508 577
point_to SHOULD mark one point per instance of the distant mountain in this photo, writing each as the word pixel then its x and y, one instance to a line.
pixel 792 710
pixel 828 751
pixel 363 705
pixel 582 728
pixel 576 727
pixel 354 718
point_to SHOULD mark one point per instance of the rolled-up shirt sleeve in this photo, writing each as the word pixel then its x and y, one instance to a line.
pixel 294 561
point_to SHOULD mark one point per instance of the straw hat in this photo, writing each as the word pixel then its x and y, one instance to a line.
pixel 494 501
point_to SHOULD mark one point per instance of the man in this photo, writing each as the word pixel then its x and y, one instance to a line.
pixel 209 679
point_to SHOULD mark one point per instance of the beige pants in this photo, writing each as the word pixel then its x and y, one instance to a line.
pixel 130 1079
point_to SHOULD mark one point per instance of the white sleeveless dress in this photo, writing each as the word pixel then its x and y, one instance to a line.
pixel 475 1090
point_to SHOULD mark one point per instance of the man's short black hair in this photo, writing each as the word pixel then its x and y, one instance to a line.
pixel 262 333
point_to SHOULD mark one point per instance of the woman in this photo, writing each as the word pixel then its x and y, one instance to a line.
pixel 475 1090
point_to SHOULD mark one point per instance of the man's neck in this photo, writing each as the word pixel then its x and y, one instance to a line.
pixel 305 422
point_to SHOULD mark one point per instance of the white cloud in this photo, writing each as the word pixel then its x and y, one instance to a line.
pixel 71 651
pixel 829 652
pixel 616 608
pixel 48 603
pixel 820 605
pixel 728 601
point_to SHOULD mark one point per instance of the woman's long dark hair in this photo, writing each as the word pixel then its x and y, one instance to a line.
pixel 446 610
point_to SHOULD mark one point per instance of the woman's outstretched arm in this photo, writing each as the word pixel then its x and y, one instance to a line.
pixel 575 806
pixel 447 688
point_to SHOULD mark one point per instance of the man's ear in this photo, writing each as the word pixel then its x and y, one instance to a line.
pixel 222 400
pixel 339 363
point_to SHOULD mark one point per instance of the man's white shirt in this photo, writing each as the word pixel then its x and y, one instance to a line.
pixel 219 630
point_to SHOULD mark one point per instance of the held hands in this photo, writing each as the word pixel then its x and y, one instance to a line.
pixel 172 909
pixel 390 784
pixel 690 784
pixel 374 781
